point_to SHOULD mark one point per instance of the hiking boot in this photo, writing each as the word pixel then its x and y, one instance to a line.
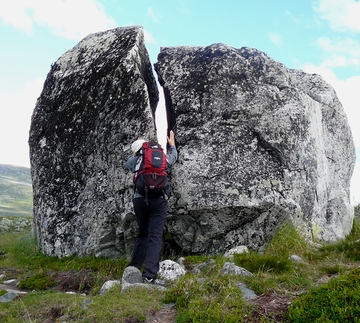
pixel 146 280
pixel 153 281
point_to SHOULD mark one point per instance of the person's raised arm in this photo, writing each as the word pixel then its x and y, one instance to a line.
pixel 171 157
pixel 171 138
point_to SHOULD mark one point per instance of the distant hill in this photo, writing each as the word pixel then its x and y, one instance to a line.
pixel 15 191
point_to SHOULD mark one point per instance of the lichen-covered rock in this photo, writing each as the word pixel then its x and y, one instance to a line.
pixel 97 98
pixel 258 144
pixel 231 269
pixel 170 270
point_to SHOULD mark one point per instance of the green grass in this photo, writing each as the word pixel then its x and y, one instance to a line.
pixel 215 300
pixel 337 301
pixel 205 297
pixel 113 307
pixel 15 191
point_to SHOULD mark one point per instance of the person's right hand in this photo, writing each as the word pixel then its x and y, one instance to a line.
pixel 171 138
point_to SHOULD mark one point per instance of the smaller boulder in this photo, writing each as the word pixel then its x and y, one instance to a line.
pixel 231 269
pixel 171 270
pixel 108 285
pixel 248 293
pixel 200 268
pixel 295 258
pixel 131 275
pixel 8 297
pixel 236 250
pixel 132 278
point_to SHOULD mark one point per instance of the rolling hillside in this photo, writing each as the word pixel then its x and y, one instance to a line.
pixel 15 191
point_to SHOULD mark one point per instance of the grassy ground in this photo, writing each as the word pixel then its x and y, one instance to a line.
pixel 15 191
pixel 323 287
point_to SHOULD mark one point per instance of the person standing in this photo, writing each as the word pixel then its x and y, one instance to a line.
pixel 150 214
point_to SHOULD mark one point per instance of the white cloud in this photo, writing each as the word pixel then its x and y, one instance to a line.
pixel 14 13
pixel 340 53
pixel 347 92
pixel 160 118
pixel 275 38
pixel 65 18
pixel 355 186
pixel 349 95
pixel 155 16
pixel 148 37
pixel 15 119
pixel 342 15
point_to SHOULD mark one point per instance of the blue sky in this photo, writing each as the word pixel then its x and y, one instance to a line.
pixel 317 36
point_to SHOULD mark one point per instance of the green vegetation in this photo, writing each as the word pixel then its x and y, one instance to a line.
pixel 15 191
pixel 338 301
pixel 255 262
pixel 38 281
pixel 323 287
pixel 133 305
pixel 357 211
pixel 216 299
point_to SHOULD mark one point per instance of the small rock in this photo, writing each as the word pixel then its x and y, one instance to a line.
pixel 180 261
pixel 8 297
pixel 108 285
pixel 131 275
pixel 198 269
pixel 248 293
pixel 86 303
pixel 13 291
pixel 202 280
pixel 295 258
pixel 231 269
pixel 171 270
pixel 132 278
pixel 236 250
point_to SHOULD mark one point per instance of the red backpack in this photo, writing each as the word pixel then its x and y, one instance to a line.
pixel 151 178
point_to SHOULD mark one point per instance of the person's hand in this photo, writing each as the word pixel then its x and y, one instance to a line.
pixel 171 139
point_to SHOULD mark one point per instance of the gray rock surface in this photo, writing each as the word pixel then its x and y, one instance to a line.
pixel 170 270
pixel 296 258
pixel 109 284
pixel 97 99
pixel 198 269
pixel 132 278
pixel 231 269
pixel 248 293
pixel 258 144
pixel 237 250
pixel 8 297
pixel 12 291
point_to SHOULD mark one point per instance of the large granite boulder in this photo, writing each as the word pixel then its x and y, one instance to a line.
pixel 259 144
pixel 97 98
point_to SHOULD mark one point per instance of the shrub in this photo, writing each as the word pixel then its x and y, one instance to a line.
pixel 287 241
pixel 37 282
pixel 337 301
pixel 215 299
pixel 348 247
pixel 256 262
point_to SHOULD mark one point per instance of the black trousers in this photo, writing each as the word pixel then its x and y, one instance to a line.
pixel 151 219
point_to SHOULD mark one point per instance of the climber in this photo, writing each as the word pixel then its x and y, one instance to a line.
pixel 150 211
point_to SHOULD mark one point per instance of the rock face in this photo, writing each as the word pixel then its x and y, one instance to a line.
pixel 98 97
pixel 258 144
